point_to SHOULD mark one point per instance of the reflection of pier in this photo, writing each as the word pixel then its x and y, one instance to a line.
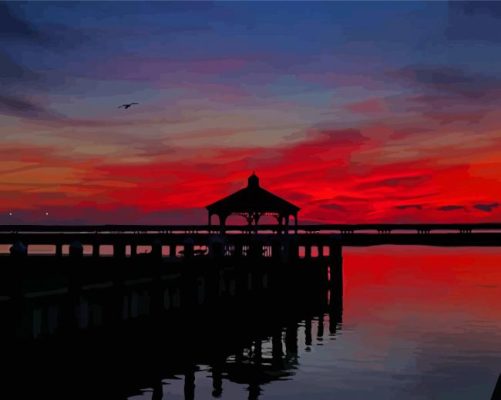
pixel 251 341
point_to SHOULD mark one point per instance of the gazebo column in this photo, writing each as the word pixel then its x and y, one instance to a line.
pixel 59 249
pixel 95 250
pixel 210 222
pixel 257 217
pixel 222 222
pixel 119 250
pixel 280 220
pixel 307 251
pixel 172 250
pixel 248 218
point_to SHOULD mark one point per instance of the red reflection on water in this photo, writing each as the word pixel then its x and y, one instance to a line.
pixel 424 279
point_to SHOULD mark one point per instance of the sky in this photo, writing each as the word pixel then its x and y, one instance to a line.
pixel 354 111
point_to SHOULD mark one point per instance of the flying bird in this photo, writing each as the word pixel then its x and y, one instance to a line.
pixel 126 106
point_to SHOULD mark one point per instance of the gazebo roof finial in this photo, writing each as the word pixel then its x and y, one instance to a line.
pixel 253 180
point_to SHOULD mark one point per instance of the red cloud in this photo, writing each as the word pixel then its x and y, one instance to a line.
pixel 369 106
pixel 325 173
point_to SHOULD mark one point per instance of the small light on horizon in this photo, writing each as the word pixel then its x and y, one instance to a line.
pixel 46 213
pixel 10 214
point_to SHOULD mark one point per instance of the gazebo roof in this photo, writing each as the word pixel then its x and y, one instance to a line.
pixel 252 198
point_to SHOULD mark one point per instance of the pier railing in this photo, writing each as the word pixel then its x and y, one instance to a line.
pixel 264 229
pixel 195 240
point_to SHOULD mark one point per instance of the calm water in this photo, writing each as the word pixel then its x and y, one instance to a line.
pixel 418 323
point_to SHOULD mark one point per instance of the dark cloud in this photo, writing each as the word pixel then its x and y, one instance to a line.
pixel 11 72
pixel 131 8
pixel 473 21
pixel 490 8
pixel 448 94
pixel 471 117
pixel 451 208
pixel 56 36
pixel 23 107
pixel 13 26
pixel 342 136
pixel 297 196
pixel 487 207
pixel 405 181
pixel 41 39
pixel 409 206
pixel 323 132
pixel 332 206
pixel 351 199
pixel 437 75
pixel 18 78
pixel 448 80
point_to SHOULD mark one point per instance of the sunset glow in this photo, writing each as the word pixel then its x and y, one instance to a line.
pixel 356 112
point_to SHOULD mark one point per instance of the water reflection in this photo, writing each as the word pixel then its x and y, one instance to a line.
pixel 246 372
pixel 413 324
pixel 246 345
pixel 418 323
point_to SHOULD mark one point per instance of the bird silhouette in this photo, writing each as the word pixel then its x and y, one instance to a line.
pixel 126 106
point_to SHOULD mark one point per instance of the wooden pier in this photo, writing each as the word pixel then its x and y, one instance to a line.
pixel 70 293
pixel 204 240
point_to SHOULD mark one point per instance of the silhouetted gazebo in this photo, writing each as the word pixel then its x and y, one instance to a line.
pixel 252 202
